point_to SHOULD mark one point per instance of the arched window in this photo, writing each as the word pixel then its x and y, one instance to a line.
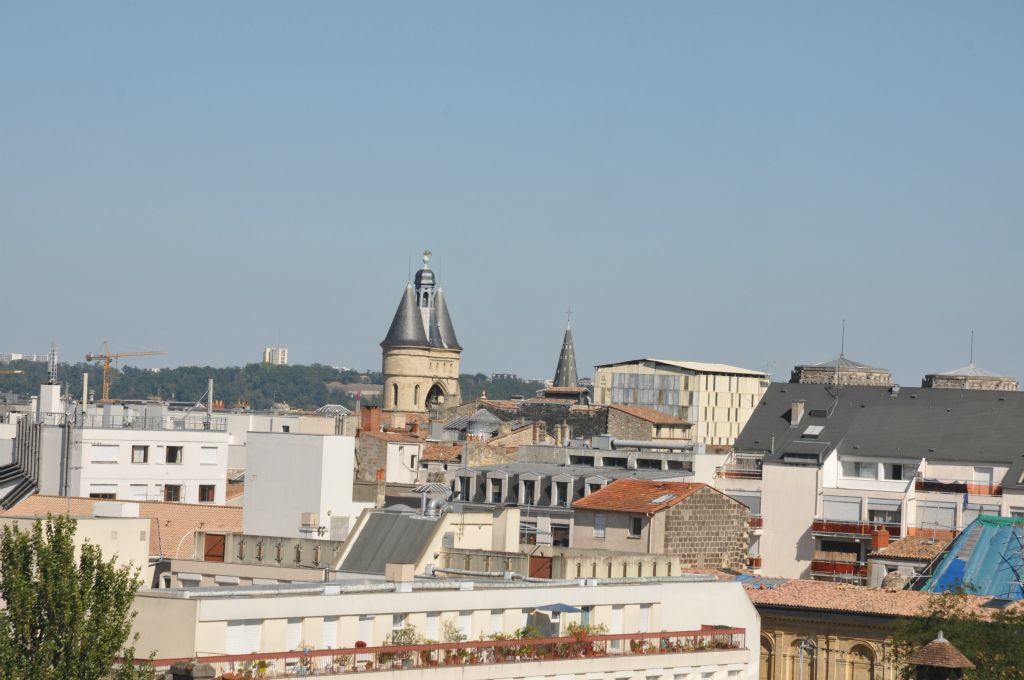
pixel 801 659
pixel 767 659
pixel 416 395
pixel 860 663
pixel 394 395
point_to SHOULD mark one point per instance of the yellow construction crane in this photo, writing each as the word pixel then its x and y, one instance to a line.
pixel 106 357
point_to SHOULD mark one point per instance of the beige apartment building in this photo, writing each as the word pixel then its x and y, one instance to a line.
pixel 717 399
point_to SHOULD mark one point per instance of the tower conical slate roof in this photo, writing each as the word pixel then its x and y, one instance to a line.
pixel 444 323
pixel 565 374
pixel 407 326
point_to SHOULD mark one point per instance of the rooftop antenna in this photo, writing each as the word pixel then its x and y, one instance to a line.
pixel 842 351
pixel 408 266
pixel 972 348
pixel 51 367
pixel 568 316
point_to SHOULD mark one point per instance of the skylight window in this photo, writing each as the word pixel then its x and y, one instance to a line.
pixel 663 498
pixel 813 431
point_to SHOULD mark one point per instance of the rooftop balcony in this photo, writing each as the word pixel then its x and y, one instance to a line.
pixel 828 527
pixel 741 466
pixel 839 568
pixel 957 486
pixel 169 422
pixel 708 646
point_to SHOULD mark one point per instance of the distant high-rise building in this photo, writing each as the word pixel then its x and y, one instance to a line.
pixel 275 355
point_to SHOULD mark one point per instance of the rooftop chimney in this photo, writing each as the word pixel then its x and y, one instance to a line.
pixel 796 412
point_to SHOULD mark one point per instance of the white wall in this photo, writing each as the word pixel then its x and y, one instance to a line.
pixel 290 474
pixel 789 500
pixel 397 468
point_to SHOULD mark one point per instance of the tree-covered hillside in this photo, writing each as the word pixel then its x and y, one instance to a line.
pixel 262 385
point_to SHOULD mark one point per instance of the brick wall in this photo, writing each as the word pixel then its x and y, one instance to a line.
pixel 371 454
pixel 708 529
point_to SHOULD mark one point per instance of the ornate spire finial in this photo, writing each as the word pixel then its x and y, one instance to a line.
pixel 426 259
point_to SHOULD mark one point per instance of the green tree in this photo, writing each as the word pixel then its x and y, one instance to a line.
pixel 990 638
pixel 65 617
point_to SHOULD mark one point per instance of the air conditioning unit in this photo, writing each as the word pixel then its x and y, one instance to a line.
pixel 310 520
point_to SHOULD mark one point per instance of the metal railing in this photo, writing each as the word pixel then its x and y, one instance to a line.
pixel 957 486
pixel 742 466
pixel 474 652
pixel 168 422
pixel 849 569
pixel 756 522
pixel 860 529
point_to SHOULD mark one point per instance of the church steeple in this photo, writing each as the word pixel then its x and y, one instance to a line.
pixel 565 374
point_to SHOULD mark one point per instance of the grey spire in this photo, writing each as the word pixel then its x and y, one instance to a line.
pixel 565 374
pixel 444 322
pixel 407 326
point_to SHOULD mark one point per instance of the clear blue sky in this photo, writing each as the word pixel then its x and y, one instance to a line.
pixel 718 181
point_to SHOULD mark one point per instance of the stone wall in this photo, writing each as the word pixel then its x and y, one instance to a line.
pixel 624 426
pixel 371 454
pixel 823 375
pixel 970 382
pixel 708 530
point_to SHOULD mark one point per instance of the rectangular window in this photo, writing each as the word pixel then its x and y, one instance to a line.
pixel 599 525
pixel 465 488
pixel 528 488
pixel 107 491
pixel 594 486
pixel 894 471
pixel 560 535
pixel 208 455
pixel 636 526
pixel 103 453
pixel 294 634
pixel 173 455
pixel 495 490
pixel 432 631
pixel 562 494
pixel 330 640
pixel 138 492
pixel 865 470
pixel 365 630
pixel 207 493
pixel 466 624
pixel 172 492
pixel 528 533
pixel 497 624
pixel 140 454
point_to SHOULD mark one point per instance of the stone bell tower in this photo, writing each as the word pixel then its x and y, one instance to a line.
pixel 421 352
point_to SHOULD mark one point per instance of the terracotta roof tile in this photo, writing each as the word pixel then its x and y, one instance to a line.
pixel 442 453
pixel 921 548
pixel 649 414
pixel 638 495
pixel 171 524
pixel 940 653
pixel 845 597
pixel 405 437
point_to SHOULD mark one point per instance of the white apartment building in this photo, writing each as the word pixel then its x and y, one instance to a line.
pixel 300 485
pixel 717 399
pixel 831 472
pixel 351 615
pixel 241 423
pixel 275 355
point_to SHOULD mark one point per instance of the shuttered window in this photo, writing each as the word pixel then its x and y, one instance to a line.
pixel 330 640
pixel 208 455
pixel 842 509
pixel 102 453
pixel 244 636
pixel 294 634
pixel 936 515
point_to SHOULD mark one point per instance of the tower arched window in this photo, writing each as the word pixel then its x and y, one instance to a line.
pixel 394 395
pixel 416 395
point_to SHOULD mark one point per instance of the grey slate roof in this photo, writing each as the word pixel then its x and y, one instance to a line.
pixel 407 326
pixel 479 417
pixel 968 425
pixel 444 322
pixel 565 372
pixel 972 371
pixel 389 537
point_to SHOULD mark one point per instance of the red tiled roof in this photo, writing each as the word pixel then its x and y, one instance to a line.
pixel 404 437
pixel 565 390
pixel 845 597
pixel 922 548
pixel 649 414
pixel 441 453
pixel 171 524
pixel 940 653
pixel 638 495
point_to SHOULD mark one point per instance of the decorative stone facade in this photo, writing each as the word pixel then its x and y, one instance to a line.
pixel 847 371
pixel 953 381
